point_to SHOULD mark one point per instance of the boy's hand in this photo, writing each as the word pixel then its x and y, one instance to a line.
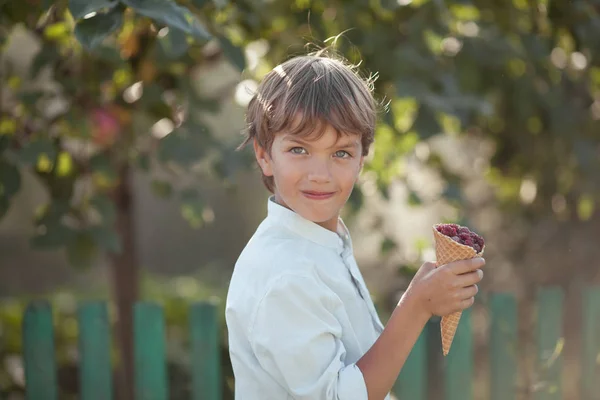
pixel 448 288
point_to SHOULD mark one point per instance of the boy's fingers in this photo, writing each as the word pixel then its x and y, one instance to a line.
pixel 463 266
pixel 468 292
pixel 466 303
pixel 469 278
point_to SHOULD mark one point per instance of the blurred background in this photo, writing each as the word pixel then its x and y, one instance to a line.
pixel 119 179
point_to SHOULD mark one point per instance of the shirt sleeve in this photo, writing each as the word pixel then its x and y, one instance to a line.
pixel 297 340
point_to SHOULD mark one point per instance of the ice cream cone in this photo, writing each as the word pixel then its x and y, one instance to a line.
pixel 446 251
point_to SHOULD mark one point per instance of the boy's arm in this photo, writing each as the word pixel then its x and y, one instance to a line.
pixel 381 365
pixel 432 292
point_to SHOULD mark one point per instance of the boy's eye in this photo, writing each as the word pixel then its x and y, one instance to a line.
pixel 297 150
pixel 342 154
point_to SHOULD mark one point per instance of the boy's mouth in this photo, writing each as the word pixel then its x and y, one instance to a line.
pixel 311 194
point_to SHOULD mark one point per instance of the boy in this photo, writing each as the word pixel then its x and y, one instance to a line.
pixel 300 318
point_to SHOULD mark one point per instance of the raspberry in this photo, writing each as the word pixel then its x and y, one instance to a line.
pixel 447 229
pixel 479 241
pixel 462 235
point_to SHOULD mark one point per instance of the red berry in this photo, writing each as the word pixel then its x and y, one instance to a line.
pixel 479 240
pixel 462 235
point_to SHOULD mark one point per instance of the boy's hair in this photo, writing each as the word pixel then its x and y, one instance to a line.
pixel 304 94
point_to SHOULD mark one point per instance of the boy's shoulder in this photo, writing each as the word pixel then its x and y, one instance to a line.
pixel 272 257
pixel 275 246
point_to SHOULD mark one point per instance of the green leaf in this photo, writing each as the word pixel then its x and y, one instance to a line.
pixel 174 44
pixel 452 192
pixel 29 98
pixel 81 8
pixel 192 208
pixel 426 124
pixel 105 207
pixel 152 97
pixel 383 189
pixel 47 55
pixel 4 142
pixel 54 236
pixel 356 199
pixel 10 179
pixel 233 53
pixel 199 3
pixel 101 163
pixel 161 188
pixel 585 207
pixel 82 251
pixel 4 205
pixel 189 194
pixel 143 162
pixel 91 32
pixel 199 102
pixel 51 213
pixel 414 199
pixel 230 161
pixel 111 55
pixel 411 88
pixel 46 4
pixel 387 245
pixel 182 148
pixel 106 238
pixel 585 152
pixel 31 151
pixel 407 270
pixel 170 14
pixel 220 3
pixel 103 170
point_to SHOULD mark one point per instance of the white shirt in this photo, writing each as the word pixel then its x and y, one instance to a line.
pixel 298 313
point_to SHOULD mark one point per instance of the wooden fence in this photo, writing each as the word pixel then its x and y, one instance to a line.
pixel 150 352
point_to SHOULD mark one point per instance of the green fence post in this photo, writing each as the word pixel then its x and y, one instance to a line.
pixel 95 371
pixel 458 379
pixel 150 352
pixel 503 346
pixel 590 345
pixel 205 346
pixel 550 343
pixel 412 381
pixel 38 352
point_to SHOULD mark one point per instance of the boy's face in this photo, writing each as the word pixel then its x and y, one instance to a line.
pixel 313 177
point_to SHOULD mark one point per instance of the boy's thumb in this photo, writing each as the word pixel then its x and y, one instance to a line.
pixel 429 265
pixel 425 268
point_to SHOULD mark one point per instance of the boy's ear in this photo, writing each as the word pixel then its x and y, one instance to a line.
pixel 263 159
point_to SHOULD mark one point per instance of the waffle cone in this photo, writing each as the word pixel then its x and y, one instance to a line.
pixel 446 251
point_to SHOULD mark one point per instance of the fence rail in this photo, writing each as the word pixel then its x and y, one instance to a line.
pixel 150 352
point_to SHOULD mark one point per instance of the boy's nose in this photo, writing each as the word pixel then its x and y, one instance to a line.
pixel 320 173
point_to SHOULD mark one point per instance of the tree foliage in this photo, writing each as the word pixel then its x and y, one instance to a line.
pixel 524 75
pixel 122 96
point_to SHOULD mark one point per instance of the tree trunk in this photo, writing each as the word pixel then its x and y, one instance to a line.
pixel 125 283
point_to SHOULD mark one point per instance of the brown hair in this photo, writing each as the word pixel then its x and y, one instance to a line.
pixel 307 92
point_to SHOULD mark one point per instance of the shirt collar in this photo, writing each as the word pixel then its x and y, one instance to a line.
pixel 308 229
